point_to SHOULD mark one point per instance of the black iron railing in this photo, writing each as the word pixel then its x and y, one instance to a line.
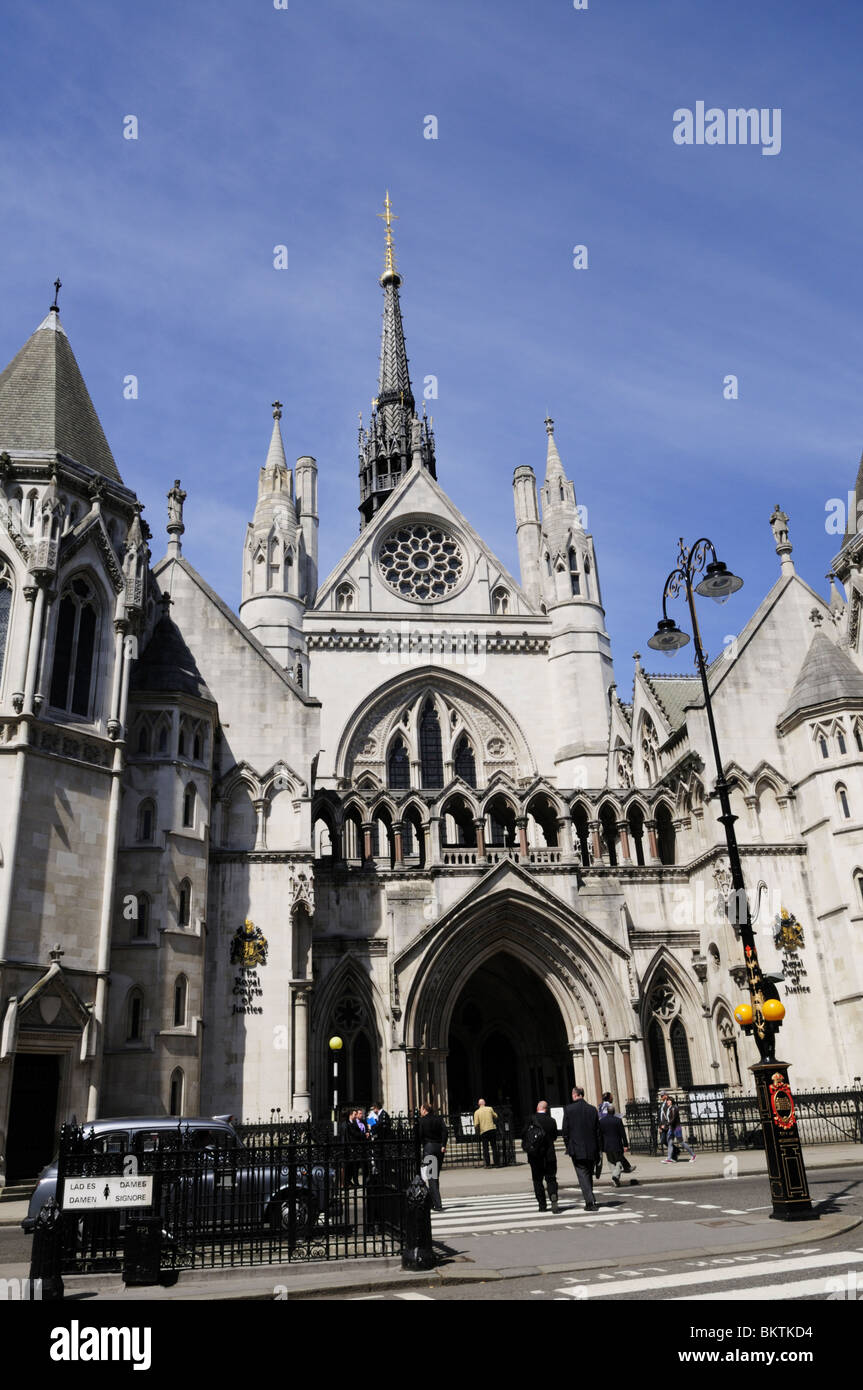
pixel 277 1201
pixel 464 1149
pixel 733 1122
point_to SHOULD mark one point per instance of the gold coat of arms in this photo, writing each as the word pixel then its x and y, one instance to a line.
pixel 787 932
pixel 248 946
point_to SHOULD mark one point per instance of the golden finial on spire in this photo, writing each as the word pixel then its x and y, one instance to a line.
pixel 388 217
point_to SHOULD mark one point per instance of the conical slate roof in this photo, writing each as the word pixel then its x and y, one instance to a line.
pixel 44 404
pixel 827 674
pixel 166 666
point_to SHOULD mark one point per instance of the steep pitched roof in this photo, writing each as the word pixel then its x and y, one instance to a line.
pixel 44 404
pixel 167 665
pixel 673 694
pixel 826 675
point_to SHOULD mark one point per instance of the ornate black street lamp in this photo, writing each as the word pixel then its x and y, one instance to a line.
pixel 762 1018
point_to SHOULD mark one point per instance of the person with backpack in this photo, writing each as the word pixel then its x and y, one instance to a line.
pixel 538 1143
pixel 674 1131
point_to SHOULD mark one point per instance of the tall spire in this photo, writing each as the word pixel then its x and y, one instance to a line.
pixel 396 437
pixel 553 463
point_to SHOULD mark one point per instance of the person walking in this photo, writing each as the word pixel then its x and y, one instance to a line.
pixel 614 1143
pixel 432 1135
pixel 582 1138
pixel 485 1124
pixel 538 1143
pixel 606 1104
pixel 674 1132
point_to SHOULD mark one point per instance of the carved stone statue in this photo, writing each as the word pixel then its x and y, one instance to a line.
pixel 779 522
pixel 176 498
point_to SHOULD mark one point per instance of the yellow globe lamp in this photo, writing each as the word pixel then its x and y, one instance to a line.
pixel 743 1014
pixel 773 1010
pixel 336 1044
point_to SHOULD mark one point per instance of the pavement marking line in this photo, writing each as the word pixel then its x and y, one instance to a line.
pixel 802 1288
pixel 707 1206
pixel 409 1294
pixel 720 1276
pixel 493 1225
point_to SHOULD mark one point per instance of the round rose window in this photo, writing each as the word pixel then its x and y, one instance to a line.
pixel 421 561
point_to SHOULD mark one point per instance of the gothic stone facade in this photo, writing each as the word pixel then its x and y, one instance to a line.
pixel 405 805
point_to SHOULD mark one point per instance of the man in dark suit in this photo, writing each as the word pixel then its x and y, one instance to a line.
pixel 582 1139
pixel 614 1143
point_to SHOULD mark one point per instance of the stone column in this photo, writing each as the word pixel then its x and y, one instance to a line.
pixel 608 1049
pixel 434 855
pixel 623 834
pixel 367 841
pixel 30 592
pixel 565 838
pixel 301 1100
pixel 411 1065
pixel 397 842
pixel 521 826
pixel 627 1071
pixel 479 826
pixel 653 847
pixel 260 805
pixel 595 841
pixel 578 1072
pixel 426 834
pixel 35 647
pixel 593 1049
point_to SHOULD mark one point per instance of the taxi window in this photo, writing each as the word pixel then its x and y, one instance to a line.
pixel 212 1139
pixel 116 1141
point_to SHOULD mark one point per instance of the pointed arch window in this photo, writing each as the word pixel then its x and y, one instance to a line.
pixel 500 601
pixel 146 821
pixel 574 580
pixel 164 731
pixel 178 1086
pixel 184 904
pixel 190 797
pixel 141 924
pixel 665 834
pixel 840 740
pixel 135 1016
pixel 680 1053
pixel 431 750
pixel 398 766
pixel 181 992
pixel 344 599
pixel 75 648
pixel 842 798
pixel 464 763
pixel 5 609
pixel 858 737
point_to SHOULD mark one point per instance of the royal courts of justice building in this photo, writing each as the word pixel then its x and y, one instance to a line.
pixel 404 803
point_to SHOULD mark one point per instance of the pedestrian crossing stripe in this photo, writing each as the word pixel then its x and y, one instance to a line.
pixel 695 1278
pixel 517 1211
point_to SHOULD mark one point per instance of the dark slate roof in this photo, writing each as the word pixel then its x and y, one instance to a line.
pixel 827 674
pixel 44 404
pixel 674 693
pixel 166 666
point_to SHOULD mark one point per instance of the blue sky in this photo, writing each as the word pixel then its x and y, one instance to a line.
pixel 259 127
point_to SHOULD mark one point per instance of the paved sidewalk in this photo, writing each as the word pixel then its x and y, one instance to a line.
pixel 574 1240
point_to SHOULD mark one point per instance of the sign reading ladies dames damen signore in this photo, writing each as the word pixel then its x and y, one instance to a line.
pixel 102 1193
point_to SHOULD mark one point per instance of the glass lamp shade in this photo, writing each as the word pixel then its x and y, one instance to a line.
pixel 668 638
pixel 718 582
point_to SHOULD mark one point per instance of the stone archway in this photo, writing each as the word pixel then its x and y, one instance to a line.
pixel 508 936
pixel 507 1040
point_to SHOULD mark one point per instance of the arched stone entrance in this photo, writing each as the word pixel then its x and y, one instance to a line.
pixel 507 1040
pixel 508 988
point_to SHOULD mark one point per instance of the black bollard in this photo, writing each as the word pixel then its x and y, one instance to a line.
pixel 46 1256
pixel 142 1251
pixel 418 1252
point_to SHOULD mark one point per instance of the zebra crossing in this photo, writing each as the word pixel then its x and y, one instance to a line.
pixel 517 1211
pixel 831 1275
